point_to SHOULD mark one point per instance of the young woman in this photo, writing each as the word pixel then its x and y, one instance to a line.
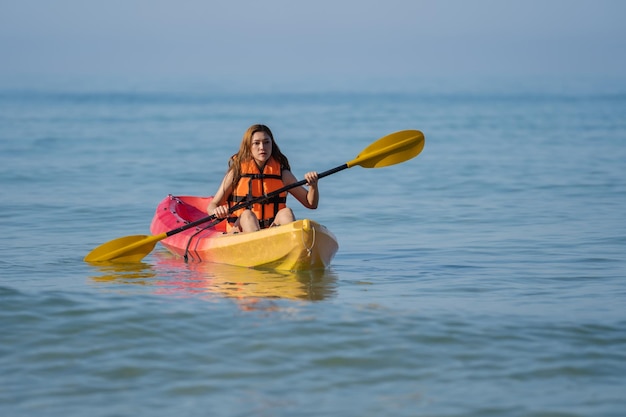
pixel 260 168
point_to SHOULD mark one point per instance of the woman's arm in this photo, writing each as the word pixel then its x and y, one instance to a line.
pixel 218 205
pixel 308 198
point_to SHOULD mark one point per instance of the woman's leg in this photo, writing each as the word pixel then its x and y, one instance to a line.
pixel 248 222
pixel 284 216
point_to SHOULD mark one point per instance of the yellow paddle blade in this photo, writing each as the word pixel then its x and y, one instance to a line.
pixel 125 249
pixel 390 150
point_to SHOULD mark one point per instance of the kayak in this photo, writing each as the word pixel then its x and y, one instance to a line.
pixel 300 245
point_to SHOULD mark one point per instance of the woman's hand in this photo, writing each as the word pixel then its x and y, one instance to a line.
pixel 312 196
pixel 311 178
pixel 220 212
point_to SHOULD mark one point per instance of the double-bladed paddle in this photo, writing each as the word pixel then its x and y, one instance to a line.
pixel 388 150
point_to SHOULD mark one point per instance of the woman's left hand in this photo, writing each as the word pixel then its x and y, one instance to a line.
pixel 311 178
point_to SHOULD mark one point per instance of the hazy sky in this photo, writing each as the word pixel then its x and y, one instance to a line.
pixel 321 38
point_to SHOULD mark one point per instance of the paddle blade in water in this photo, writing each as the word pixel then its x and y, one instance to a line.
pixel 124 249
pixel 391 149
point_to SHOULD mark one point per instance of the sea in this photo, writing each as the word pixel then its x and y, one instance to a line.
pixel 484 277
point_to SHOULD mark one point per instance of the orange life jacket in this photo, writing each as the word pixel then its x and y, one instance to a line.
pixel 254 183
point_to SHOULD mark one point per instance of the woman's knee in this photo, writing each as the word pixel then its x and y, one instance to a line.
pixel 247 215
pixel 284 216
pixel 248 221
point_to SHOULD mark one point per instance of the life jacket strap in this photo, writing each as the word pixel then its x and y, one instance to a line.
pixel 263 224
pixel 277 199
pixel 262 176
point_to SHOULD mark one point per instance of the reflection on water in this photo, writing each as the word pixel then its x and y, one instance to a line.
pixel 173 276
pixel 138 273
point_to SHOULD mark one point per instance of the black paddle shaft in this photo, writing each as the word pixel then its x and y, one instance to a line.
pixel 253 201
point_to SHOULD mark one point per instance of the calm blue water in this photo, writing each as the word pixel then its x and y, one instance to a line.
pixel 486 277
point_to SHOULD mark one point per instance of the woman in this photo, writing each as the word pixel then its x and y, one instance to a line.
pixel 260 168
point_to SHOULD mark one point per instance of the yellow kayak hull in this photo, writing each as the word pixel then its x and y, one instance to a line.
pixel 300 245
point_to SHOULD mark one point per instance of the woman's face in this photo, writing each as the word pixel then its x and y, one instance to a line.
pixel 261 147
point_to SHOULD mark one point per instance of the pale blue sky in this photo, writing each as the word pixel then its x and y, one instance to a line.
pixel 274 39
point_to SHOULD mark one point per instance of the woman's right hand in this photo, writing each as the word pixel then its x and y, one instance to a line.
pixel 220 212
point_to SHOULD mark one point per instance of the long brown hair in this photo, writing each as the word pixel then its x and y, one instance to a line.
pixel 245 153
